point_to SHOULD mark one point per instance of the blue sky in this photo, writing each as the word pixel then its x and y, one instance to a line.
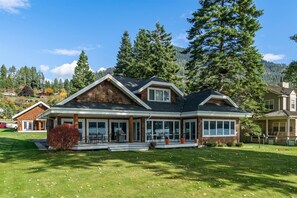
pixel 50 34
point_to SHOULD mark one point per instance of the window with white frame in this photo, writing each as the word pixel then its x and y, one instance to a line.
pixel 269 104
pixel 157 130
pixel 213 128
pixel 159 95
pixel 97 128
pixel 27 125
pixel 293 104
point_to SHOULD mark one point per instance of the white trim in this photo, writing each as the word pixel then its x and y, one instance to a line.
pixel 218 120
pixel 159 89
pixel 184 128
pixel 179 92
pixel 115 82
pixel 31 121
pixel 101 112
pixel 29 108
pixel 219 97
pixel 216 114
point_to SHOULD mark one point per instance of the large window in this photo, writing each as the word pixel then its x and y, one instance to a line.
pixel 97 130
pixel 269 104
pixel 159 129
pixel 213 128
pixel 159 95
pixel 279 127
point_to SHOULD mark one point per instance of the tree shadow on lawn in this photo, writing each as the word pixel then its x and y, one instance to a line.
pixel 218 167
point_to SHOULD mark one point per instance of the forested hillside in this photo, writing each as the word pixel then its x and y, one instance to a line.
pixel 273 71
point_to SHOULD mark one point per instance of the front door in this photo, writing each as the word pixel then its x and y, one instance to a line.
pixel 118 131
pixel 136 130
pixel 190 129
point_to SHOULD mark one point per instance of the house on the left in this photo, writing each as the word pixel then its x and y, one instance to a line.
pixel 28 119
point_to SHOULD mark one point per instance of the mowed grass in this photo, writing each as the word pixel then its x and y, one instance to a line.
pixel 269 171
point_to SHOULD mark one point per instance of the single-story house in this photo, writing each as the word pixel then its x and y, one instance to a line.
pixel 121 109
pixel 28 121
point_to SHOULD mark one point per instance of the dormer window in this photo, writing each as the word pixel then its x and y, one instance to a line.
pixel 269 104
pixel 292 104
pixel 159 95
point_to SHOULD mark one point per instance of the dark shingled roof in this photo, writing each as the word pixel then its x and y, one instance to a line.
pixel 134 84
pixel 167 106
pixel 101 105
pixel 182 104
pixel 281 90
pixel 193 100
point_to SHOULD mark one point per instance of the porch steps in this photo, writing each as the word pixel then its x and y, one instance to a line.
pixel 128 147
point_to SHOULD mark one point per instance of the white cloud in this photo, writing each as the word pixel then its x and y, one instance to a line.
pixel 273 57
pixel 12 6
pixel 64 71
pixel 44 68
pixel 66 52
pixel 101 69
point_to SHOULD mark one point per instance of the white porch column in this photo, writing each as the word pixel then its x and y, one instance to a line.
pixel 266 128
pixel 288 128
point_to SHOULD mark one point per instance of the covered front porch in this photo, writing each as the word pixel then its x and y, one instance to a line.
pixel 102 130
pixel 279 128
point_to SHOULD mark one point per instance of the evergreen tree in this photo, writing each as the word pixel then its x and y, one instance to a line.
pixel 83 76
pixel 3 72
pixel 291 71
pixel 222 55
pixel 124 57
pixel 163 55
pixel 141 67
pixel 55 85
pixel 67 86
pixel 3 77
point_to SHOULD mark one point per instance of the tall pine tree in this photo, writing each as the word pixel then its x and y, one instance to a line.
pixel 141 68
pixel 163 55
pixel 83 76
pixel 124 57
pixel 222 55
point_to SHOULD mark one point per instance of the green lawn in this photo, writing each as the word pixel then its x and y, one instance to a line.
pixel 269 171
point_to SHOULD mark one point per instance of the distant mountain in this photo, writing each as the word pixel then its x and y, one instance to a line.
pixel 273 71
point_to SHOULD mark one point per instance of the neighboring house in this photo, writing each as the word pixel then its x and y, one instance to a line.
pixel 280 124
pixel 27 91
pixel 27 119
pixel 121 109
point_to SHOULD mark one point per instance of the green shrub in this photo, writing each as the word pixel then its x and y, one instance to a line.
pixel 220 145
pixel 211 144
pixel 239 144
pixel 230 144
